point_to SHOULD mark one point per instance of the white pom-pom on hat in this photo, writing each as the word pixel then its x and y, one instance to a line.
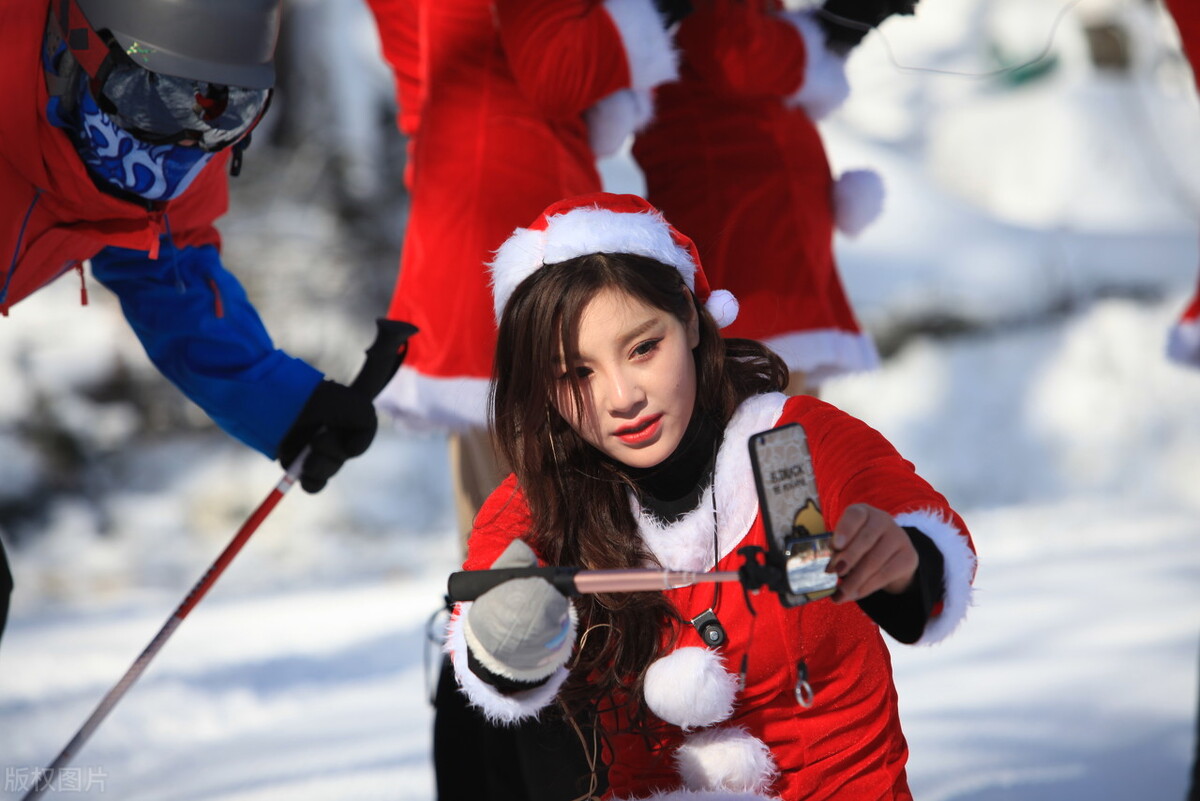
pixel 690 687
pixel 857 200
pixel 725 759
pixel 602 222
pixel 723 307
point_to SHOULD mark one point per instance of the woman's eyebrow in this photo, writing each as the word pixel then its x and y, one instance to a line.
pixel 639 330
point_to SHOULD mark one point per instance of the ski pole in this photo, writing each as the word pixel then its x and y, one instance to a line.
pixel 383 358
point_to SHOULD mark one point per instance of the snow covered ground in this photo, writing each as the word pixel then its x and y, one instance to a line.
pixel 1029 262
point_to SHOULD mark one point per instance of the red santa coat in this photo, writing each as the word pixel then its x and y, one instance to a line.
pixel 1184 343
pixel 758 742
pixel 734 159
pixel 52 216
pixel 505 104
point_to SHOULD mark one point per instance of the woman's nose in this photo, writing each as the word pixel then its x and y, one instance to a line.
pixel 624 392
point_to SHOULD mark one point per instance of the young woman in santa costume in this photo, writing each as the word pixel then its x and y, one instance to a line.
pixel 506 105
pixel 735 158
pixel 626 416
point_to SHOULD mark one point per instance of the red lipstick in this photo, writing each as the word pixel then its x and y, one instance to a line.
pixel 640 431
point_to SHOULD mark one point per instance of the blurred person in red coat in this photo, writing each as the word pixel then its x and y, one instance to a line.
pixel 506 106
pixel 734 157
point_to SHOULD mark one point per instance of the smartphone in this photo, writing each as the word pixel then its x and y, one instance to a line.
pixel 797 537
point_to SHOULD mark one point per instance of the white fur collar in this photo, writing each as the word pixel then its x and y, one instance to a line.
pixel 688 543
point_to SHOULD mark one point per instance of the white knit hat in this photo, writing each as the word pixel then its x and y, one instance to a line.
pixel 603 223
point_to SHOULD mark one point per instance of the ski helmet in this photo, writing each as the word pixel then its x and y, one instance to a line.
pixel 195 72
pixel 229 42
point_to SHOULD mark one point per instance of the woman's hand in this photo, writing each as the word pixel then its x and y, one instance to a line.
pixel 520 630
pixel 870 553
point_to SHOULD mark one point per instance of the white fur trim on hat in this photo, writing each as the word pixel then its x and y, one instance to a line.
pixel 857 200
pixel 579 232
pixel 701 795
pixel 959 570
pixel 498 708
pixel 825 86
pixel 725 759
pixel 690 687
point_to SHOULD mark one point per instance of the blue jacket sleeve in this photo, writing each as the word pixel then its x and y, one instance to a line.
pixel 201 331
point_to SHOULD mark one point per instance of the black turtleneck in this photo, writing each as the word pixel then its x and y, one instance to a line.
pixel 674 486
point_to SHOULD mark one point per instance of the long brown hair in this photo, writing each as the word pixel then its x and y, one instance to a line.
pixel 576 496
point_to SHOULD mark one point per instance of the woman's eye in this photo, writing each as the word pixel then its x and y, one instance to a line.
pixel 577 373
pixel 646 347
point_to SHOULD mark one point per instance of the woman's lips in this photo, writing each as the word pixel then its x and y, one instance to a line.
pixel 640 431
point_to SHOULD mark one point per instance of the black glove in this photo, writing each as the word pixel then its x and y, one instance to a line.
pixel 673 11
pixel 846 22
pixel 338 423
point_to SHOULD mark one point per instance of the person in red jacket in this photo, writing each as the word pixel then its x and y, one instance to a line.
pixel 626 417
pixel 734 156
pixel 1183 342
pixel 120 120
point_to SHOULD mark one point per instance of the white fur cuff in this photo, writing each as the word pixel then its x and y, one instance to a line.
pixel 648 51
pixel 500 709
pixel 959 571
pixel 825 86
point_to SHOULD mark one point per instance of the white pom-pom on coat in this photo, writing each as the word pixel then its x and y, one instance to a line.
pixel 690 687
pixel 857 200
pixel 725 759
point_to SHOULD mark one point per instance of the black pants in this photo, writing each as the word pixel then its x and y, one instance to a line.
pixel 1194 790
pixel 538 760
pixel 6 586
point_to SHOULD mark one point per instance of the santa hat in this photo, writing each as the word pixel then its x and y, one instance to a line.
pixel 603 223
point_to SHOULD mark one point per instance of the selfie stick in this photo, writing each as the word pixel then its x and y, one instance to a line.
pixel 467 585
pixel 759 568
pixel 383 358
